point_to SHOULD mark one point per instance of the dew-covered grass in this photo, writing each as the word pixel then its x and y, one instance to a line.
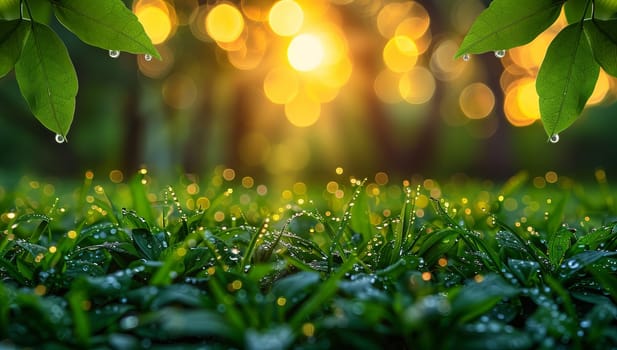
pixel 225 262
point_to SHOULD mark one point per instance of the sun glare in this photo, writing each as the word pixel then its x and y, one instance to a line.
pixel 305 52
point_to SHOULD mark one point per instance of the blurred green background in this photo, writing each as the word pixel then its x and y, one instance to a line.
pixel 293 89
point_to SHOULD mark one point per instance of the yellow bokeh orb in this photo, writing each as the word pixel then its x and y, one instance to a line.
pixel 302 111
pixel 281 85
pixel 386 86
pixel 155 19
pixel 521 104
pixel 286 18
pixel 305 52
pixel 224 23
pixel 417 86
pixel 400 54
pixel 477 101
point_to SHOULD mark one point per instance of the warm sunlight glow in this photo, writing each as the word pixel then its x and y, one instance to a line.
pixel 442 65
pixel 281 85
pixel 256 10
pixel 417 86
pixel 302 111
pixel 224 23
pixel 305 52
pixel 391 15
pixel 521 104
pixel 477 101
pixel 400 54
pixel 386 86
pixel 415 27
pixel 286 18
pixel 155 18
pixel 602 88
pixel 252 49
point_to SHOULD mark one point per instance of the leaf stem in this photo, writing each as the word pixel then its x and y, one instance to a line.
pixel 593 10
pixel 21 10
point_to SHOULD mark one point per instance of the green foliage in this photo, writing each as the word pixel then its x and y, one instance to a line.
pixel 47 82
pixel 507 24
pixel 104 23
pixel 84 270
pixel 43 68
pixel 567 81
pixel 571 66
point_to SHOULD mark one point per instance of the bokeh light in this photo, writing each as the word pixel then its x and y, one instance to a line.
pixel 286 18
pixel 224 23
pixel 386 86
pixel 302 110
pixel 256 10
pixel 157 17
pixel 521 104
pixel 417 86
pixel 281 85
pixel 442 63
pixel 601 90
pixel 400 54
pixel 305 52
pixel 477 101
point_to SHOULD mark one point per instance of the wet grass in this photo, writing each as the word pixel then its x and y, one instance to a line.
pixel 223 262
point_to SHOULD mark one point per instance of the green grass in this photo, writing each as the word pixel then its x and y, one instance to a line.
pixel 213 263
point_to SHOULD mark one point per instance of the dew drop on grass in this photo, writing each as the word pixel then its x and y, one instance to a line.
pixel 573 264
pixel 60 139
pixel 554 138
pixel 129 322
pixel 148 57
pixel 466 57
pixel 500 53
pixel 114 53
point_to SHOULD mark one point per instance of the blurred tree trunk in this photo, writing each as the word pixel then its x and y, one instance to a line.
pixel 134 134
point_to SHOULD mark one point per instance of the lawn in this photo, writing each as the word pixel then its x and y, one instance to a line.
pixel 225 262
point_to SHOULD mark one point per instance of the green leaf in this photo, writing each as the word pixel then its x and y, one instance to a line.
pixel 145 242
pixel 574 10
pixel 558 244
pixel 107 24
pixel 602 36
pixel 13 34
pixel 476 299
pixel 9 9
pixel 176 323
pixel 76 298
pixel 47 79
pixel 580 261
pixel 566 79
pixel 506 24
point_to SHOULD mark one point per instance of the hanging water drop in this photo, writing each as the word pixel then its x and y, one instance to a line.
pixel 114 53
pixel 60 138
pixel 554 138
pixel 500 53
pixel 466 57
pixel 148 57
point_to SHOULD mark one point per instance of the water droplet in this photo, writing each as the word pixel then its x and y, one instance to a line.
pixel 554 138
pixel 500 53
pixel 129 322
pixel 114 53
pixel 573 264
pixel 60 138
pixel 466 57
pixel 148 57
